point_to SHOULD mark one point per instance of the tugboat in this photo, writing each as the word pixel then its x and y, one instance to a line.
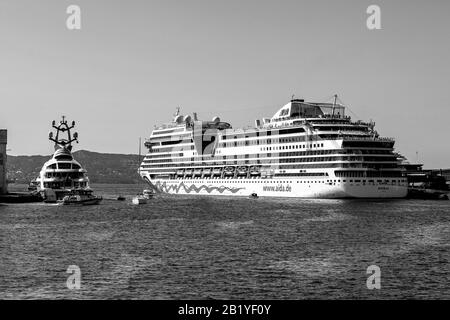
pixel 62 179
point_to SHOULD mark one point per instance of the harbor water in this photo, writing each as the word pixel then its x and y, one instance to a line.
pixel 186 247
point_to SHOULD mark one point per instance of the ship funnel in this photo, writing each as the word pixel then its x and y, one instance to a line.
pixel 216 119
pixel 257 123
pixel 195 116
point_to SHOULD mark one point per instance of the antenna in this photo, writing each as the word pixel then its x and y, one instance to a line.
pixel 334 104
pixel 61 128
pixel 139 160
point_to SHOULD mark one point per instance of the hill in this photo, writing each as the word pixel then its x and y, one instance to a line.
pixel 101 167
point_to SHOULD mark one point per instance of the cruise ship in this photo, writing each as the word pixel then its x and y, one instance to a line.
pixel 306 150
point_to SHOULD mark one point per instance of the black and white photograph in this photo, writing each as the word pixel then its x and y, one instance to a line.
pixel 204 151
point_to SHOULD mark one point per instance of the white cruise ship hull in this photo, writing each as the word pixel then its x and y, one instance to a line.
pixel 292 188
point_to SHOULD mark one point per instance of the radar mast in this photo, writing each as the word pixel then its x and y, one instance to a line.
pixel 61 128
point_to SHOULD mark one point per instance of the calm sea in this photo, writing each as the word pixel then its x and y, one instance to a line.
pixel 184 247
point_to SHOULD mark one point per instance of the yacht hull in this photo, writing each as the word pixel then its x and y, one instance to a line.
pixel 292 188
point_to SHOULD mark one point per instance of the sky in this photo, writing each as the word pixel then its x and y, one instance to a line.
pixel 133 62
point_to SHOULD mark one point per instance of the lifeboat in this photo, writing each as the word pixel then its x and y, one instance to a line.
pixel 228 171
pixel 197 172
pixel 217 172
pixel 206 172
pixel 242 171
pixel 254 171
pixel 180 173
pixel 188 173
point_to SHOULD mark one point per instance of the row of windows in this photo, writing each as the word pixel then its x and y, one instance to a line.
pixel 186 138
pixel 282 166
pixel 171 142
pixel 302 174
pixel 263 133
pixel 182 162
pixel 64 165
pixel 70 175
pixel 369 174
pixel 360 145
pixel 169 149
pixel 264 141
pixel 276 181
pixel 165 155
pixel 296 166
pixel 299 146
pixel 66 184
pixel 168 131
pixel 281 154
pixel 368 144
pixel 174 137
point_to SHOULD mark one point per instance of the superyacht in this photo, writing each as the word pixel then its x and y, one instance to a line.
pixel 62 179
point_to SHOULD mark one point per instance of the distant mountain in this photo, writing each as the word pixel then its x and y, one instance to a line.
pixel 101 167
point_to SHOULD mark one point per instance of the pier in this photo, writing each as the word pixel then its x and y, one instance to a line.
pixel 3 141
pixel 5 196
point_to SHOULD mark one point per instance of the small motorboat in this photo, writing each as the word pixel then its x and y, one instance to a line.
pixel 139 199
pixel 148 194
pixel 81 197
pixel 253 196
pixel 120 198
pixel 33 185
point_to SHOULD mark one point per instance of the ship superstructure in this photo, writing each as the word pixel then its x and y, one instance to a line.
pixel 306 149
pixel 62 174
